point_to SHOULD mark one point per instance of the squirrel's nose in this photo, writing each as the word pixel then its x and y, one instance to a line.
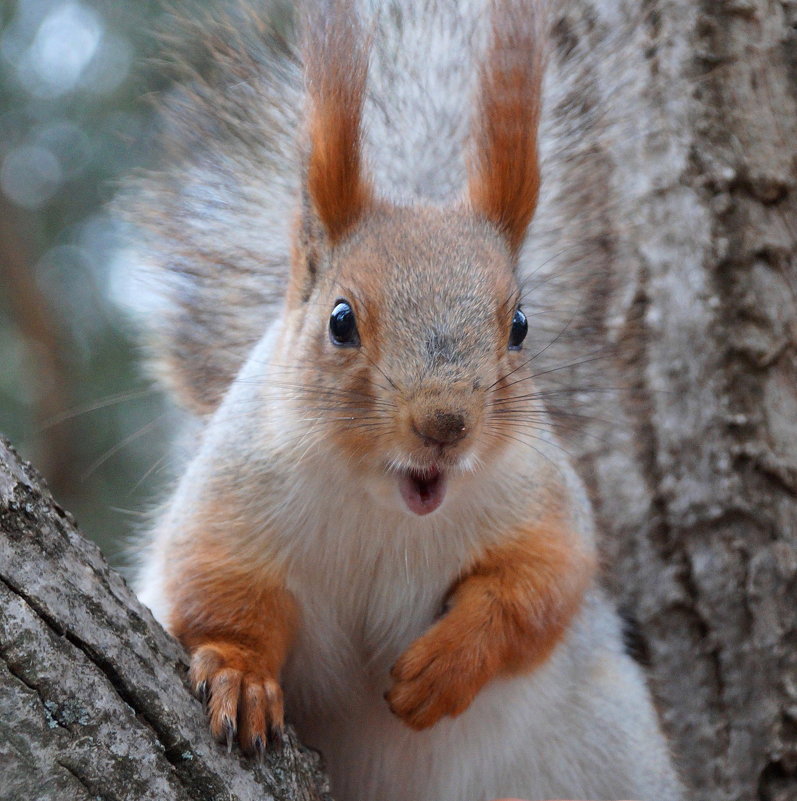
pixel 441 428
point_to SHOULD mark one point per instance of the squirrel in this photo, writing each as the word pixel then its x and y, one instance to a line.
pixel 378 536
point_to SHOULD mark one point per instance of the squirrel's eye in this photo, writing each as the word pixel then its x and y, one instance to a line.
pixel 520 327
pixel 342 327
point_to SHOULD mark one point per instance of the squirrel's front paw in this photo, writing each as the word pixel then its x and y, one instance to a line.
pixel 241 700
pixel 434 677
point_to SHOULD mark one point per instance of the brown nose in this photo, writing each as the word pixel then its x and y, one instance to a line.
pixel 441 428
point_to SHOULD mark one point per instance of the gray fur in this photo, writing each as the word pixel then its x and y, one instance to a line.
pixel 214 223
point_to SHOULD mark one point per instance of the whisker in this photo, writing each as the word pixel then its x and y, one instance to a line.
pixel 93 406
pixel 556 369
pixel 555 392
pixel 155 467
pixel 381 371
pixel 119 445
pixel 509 437
pixel 553 425
pixel 532 358
pixel 335 391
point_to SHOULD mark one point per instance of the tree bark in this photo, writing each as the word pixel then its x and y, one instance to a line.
pixel 693 464
pixel 94 696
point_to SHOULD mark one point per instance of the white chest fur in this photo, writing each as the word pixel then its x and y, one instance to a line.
pixel 368 583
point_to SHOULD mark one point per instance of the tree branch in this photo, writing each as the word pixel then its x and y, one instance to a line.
pixel 95 702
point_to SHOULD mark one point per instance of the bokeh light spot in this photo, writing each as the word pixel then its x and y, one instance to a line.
pixel 30 176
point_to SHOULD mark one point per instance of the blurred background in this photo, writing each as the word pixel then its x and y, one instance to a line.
pixel 75 76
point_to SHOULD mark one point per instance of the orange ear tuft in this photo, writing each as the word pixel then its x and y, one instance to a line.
pixel 336 62
pixel 504 174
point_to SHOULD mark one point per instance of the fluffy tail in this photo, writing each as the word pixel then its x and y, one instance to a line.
pixel 212 224
pixel 446 100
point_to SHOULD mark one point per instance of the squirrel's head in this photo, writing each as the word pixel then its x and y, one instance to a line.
pixel 407 317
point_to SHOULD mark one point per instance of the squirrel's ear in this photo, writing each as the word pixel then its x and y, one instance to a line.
pixel 336 69
pixel 504 171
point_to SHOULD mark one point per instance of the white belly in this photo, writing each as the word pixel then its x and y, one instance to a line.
pixel 581 726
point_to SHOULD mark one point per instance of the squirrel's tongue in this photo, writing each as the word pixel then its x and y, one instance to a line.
pixel 424 491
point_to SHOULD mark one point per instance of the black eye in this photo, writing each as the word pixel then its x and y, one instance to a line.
pixel 520 327
pixel 342 327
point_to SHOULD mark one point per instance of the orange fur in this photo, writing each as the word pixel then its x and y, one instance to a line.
pixel 336 61
pixel 505 616
pixel 239 628
pixel 504 172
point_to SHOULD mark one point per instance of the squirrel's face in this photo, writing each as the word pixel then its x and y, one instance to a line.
pixel 407 318
pixel 413 336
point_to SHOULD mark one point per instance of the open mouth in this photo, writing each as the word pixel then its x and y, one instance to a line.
pixel 422 490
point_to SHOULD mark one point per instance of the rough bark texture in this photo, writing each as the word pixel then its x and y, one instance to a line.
pixel 94 699
pixel 695 476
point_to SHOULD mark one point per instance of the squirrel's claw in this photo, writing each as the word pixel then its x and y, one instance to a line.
pixel 229 733
pixel 203 694
pixel 239 703
pixel 260 713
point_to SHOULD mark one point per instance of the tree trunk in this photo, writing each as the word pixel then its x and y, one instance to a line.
pixel 94 696
pixel 693 467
